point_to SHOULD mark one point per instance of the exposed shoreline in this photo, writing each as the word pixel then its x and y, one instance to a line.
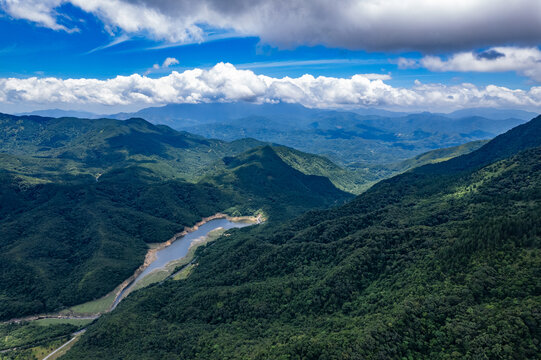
pixel 151 253
pixel 149 258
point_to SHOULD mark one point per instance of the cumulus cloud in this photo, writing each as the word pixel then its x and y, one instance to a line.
pixel 38 11
pixel 524 61
pixel 225 83
pixel 170 61
pixel 354 24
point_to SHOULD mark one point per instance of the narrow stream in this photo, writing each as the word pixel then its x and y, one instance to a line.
pixel 179 248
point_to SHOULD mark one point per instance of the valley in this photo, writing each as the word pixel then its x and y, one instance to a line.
pixel 103 197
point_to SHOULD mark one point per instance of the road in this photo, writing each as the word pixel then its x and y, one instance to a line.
pixel 65 344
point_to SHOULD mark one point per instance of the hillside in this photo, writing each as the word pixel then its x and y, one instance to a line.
pixel 345 179
pixel 429 157
pixel 442 262
pixel 262 177
pixel 95 146
pixel 92 147
pixel 64 244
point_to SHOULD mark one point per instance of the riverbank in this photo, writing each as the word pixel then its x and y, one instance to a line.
pixel 175 256
pixel 93 309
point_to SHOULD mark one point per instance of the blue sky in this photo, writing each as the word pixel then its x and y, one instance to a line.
pixel 34 50
pixel 64 40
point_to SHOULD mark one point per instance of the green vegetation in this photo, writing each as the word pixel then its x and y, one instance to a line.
pixel 52 321
pixel 98 306
pixel 184 272
pixel 71 146
pixel 34 353
pixel 82 199
pixel 36 339
pixel 442 262
pixel 265 181
pixel 432 157
pixel 343 178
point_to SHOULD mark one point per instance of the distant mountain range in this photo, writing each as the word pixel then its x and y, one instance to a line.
pixel 58 113
pixel 361 139
pixel 367 136
pixel 496 114
pixel 203 112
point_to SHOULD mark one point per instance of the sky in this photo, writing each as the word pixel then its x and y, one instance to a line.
pixel 107 56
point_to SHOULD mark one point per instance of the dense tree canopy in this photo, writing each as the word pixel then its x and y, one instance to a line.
pixel 443 262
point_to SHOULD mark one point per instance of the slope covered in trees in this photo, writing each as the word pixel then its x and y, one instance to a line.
pixel 94 146
pixel 442 262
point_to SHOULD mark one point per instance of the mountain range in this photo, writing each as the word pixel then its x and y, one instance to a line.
pixel 440 262
pixel 369 136
pixel 80 199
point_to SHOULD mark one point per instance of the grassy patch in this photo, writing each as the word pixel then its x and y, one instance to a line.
pixel 76 322
pixel 100 305
pixel 40 352
pixel 65 349
pixel 184 273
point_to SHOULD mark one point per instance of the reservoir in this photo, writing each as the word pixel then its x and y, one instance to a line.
pixel 179 249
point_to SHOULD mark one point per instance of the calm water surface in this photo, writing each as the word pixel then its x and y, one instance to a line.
pixel 179 248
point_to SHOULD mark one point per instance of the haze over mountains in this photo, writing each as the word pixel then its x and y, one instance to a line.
pixel 368 136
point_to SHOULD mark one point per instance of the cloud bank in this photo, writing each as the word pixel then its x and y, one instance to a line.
pixel 523 61
pixel 354 24
pixel 225 83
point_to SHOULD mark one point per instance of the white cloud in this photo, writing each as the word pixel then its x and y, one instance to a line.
pixel 355 24
pixel 524 61
pixel 166 63
pixel 169 61
pixel 38 11
pixel 404 63
pixel 226 83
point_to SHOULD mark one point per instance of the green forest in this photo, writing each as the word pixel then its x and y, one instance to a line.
pixel 442 262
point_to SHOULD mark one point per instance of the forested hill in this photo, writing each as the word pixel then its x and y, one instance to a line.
pixel 263 177
pixel 520 138
pixel 83 146
pixel 431 264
